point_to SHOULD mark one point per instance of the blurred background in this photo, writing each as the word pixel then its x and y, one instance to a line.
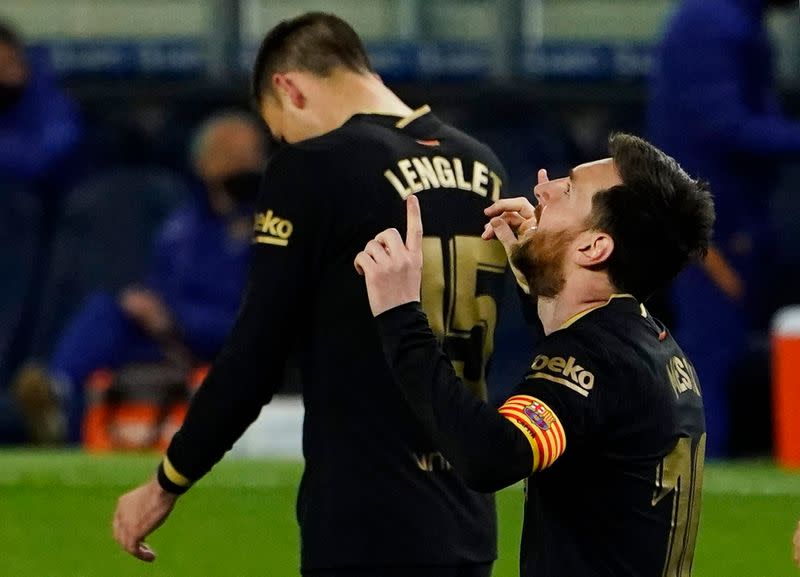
pixel 124 185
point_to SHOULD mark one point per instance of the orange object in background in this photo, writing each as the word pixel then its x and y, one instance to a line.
pixel 139 411
pixel 786 386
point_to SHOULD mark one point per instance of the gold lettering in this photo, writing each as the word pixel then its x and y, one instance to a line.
pixel 284 229
pixel 398 186
pixel 459 170
pixel 680 377
pixel 480 178
pixel 426 172
pixel 444 172
pixel 567 367
pixel 539 362
pixel 498 183
pixel 410 175
pixel 269 224
pixel 586 380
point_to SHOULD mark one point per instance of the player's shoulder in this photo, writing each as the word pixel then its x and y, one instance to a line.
pixel 566 357
pixel 374 136
pixel 287 158
pixel 597 349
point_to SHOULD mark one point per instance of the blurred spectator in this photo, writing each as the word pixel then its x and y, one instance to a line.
pixel 713 106
pixel 40 133
pixel 184 309
pixel 39 124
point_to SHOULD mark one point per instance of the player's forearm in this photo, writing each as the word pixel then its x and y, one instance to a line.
pixel 242 379
pixel 486 449
pixel 221 410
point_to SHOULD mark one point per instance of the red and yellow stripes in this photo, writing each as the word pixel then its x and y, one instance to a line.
pixel 541 427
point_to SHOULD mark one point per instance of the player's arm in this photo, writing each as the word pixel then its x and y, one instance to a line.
pixel 251 364
pixel 489 449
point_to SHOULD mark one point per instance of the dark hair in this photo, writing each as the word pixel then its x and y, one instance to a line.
pixel 659 217
pixel 9 36
pixel 314 42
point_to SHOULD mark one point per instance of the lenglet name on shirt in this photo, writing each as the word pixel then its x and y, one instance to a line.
pixel 420 173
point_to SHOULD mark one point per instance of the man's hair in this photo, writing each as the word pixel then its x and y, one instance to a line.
pixel 314 42
pixel 9 36
pixel 659 217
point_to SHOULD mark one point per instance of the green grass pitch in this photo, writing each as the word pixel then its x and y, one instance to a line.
pixel 55 517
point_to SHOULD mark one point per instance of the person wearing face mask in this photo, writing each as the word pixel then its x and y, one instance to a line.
pixel 714 106
pixel 186 306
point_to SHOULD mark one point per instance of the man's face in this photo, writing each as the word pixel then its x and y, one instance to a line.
pixel 558 230
pixel 233 156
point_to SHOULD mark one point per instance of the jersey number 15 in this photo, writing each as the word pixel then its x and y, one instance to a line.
pixel 461 276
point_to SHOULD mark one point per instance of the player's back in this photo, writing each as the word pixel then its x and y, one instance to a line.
pixel 624 498
pixel 376 492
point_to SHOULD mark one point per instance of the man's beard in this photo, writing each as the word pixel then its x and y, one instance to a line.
pixel 540 258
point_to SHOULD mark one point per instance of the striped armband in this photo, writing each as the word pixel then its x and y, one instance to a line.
pixel 170 479
pixel 541 427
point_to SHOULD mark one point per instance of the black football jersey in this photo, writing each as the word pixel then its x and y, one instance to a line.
pixel 376 490
pixel 624 497
pixel 607 428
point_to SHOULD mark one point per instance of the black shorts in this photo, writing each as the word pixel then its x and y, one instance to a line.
pixel 482 570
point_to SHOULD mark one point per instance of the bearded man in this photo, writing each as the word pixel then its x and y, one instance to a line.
pixel 607 427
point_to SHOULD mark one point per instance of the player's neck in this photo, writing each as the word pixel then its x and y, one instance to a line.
pixel 577 296
pixel 349 93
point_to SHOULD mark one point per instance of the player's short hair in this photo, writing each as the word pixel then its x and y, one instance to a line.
pixel 659 217
pixel 314 42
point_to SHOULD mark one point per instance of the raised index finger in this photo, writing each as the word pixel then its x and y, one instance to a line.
pixel 413 224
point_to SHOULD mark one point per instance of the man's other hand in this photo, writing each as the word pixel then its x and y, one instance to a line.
pixel 139 513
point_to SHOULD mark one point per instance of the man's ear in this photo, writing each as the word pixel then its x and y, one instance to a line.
pixel 594 248
pixel 287 89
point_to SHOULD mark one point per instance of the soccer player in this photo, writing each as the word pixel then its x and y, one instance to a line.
pixel 607 427
pixel 377 497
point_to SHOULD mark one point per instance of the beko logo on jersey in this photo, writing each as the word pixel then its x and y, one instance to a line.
pixel 271 229
pixel 424 173
pixel 578 379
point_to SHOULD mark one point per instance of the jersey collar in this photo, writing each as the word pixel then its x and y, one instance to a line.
pixel 418 113
pixel 574 318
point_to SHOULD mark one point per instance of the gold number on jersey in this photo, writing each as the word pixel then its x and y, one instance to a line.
pixel 681 473
pixel 457 276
